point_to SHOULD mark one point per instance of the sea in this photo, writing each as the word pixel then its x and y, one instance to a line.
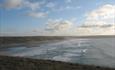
pixel 90 51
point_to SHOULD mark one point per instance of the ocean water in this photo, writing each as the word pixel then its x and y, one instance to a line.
pixel 92 51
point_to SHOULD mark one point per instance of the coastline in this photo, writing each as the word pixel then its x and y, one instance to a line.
pixel 19 63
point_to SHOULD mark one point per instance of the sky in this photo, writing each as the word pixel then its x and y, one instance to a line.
pixel 57 17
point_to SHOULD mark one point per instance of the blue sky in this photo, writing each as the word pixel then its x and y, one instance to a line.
pixel 33 17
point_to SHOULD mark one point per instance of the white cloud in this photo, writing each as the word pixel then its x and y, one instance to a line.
pixel 50 5
pixel 59 25
pixel 100 21
pixel 72 7
pixel 14 4
pixel 73 20
pixel 101 16
pixel 37 14
pixel 9 4
pixel 32 5
pixel 67 8
pixel 68 1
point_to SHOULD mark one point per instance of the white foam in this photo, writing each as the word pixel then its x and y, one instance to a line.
pixel 84 50
pixel 71 54
pixel 61 58
pixel 76 50
pixel 52 48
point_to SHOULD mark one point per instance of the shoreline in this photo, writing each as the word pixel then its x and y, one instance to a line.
pixel 20 63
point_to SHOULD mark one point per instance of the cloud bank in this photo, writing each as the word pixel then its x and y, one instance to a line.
pixel 100 21
pixel 104 15
pixel 59 25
